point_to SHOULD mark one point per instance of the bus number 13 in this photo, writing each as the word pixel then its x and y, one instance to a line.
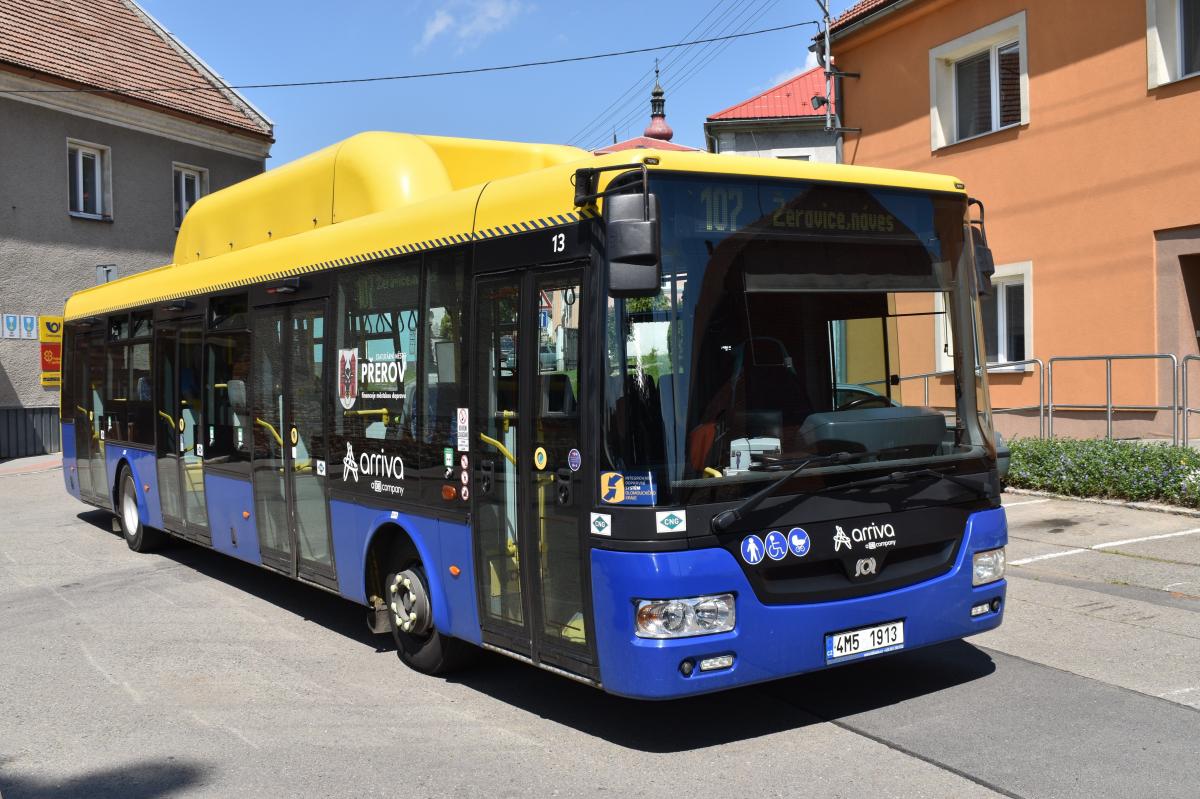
pixel 558 242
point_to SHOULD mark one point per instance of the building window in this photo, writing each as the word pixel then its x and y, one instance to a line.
pixel 979 83
pixel 987 90
pixel 88 180
pixel 190 184
pixel 1008 314
pixel 1172 40
pixel 1189 44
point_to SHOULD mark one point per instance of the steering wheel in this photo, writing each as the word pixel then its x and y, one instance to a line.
pixel 861 401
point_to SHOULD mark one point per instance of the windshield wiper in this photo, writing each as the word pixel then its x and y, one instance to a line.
pixel 901 477
pixel 726 518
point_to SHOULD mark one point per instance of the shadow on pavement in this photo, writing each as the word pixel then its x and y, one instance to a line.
pixel 332 612
pixel 671 726
pixel 136 781
pixel 744 713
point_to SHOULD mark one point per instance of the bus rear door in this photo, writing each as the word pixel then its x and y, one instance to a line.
pixel 526 438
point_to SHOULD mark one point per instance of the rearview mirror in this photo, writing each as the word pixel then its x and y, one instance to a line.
pixel 985 266
pixel 632 245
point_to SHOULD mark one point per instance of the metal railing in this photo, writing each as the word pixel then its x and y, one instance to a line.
pixel 992 368
pixel 1108 407
pixel 1186 410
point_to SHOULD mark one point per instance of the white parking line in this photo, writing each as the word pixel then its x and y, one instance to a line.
pixel 1192 531
pixel 1025 502
pixel 1107 545
pixel 1047 556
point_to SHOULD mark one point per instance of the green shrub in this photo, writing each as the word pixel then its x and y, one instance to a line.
pixel 1128 470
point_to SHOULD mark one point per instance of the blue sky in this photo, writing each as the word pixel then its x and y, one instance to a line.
pixel 291 40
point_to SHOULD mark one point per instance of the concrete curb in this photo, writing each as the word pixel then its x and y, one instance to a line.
pixel 34 465
pixel 1120 503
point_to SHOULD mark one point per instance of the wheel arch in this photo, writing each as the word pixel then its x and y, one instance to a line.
pixel 391 540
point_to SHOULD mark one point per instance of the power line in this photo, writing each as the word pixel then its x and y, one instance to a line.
pixel 723 24
pixel 634 92
pixel 696 60
pixel 411 76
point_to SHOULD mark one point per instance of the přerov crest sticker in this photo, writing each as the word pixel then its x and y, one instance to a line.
pixel 347 377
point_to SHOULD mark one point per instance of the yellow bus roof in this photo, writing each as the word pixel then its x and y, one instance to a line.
pixel 377 195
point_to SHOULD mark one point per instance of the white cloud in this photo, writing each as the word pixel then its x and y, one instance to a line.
pixel 810 61
pixel 436 26
pixel 471 21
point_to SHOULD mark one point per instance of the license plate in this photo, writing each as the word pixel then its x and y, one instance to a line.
pixel 864 642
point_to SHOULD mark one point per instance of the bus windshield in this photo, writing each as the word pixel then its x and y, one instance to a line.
pixel 795 319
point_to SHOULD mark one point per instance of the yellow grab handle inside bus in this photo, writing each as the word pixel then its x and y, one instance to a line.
pixel 384 412
pixel 711 472
pixel 270 429
pixel 503 449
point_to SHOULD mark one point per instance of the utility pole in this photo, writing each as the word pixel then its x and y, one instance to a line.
pixel 824 5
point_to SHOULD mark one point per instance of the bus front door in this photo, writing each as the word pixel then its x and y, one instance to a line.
pixel 526 441
pixel 288 385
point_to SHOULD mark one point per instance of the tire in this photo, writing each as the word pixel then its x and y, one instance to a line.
pixel 139 537
pixel 422 647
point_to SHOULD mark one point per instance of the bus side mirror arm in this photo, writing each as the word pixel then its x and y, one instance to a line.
pixel 985 265
pixel 631 230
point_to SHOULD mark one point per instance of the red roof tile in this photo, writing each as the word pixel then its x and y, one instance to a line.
pixel 857 11
pixel 643 143
pixel 113 44
pixel 792 98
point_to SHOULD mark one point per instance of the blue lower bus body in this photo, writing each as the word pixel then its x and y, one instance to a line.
pixel 767 643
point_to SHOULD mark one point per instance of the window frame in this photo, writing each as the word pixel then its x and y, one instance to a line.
pixel 1164 43
pixel 1180 42
pixel 1020 273
pixel 177 195
pixel 943 78
pixel 103 181
pixel 1006 275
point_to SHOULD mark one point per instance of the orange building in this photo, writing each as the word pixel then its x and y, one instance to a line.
pixel 1074 122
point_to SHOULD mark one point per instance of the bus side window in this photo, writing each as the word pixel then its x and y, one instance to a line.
pixel 445 291
pixel 379 322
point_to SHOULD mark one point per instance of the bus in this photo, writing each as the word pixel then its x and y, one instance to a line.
pixel 644 420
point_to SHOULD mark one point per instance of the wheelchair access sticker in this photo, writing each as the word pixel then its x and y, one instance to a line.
pixel 618 488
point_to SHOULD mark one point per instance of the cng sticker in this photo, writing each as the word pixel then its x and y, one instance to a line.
pixel 670 522
pixel 601 524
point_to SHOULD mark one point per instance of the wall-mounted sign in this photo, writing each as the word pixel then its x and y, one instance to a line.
pixel 50 328
pixel 10 325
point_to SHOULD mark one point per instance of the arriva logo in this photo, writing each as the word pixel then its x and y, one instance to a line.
pixel 873 535
pixel 371 464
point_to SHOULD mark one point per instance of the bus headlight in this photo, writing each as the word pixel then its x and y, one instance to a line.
pixel 987 566
pixel 681 618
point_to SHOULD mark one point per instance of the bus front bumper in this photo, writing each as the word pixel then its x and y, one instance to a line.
pixel 769 641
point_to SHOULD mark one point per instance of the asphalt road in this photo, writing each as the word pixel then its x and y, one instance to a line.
pixel 186 673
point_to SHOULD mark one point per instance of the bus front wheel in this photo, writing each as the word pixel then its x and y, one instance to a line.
pixel 418 642
pixel 139 537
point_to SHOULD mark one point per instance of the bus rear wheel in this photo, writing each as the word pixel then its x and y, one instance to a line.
pixel 139 537
pixel 418 642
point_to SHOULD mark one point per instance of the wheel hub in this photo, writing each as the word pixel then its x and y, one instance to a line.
pixel 409 603
pixel 129 509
